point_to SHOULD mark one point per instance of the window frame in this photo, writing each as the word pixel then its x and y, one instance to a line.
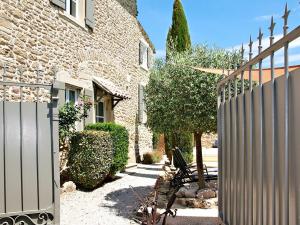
pixel 145 58
pixel 104 111
pixel 67 97
pixel 68 8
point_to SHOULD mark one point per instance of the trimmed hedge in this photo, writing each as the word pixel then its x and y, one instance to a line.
pixel 90 158
pixel 120 140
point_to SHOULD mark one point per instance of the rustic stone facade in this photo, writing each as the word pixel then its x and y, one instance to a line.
pixel 36 33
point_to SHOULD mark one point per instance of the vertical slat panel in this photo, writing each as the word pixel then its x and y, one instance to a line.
pixel 280 143
pixel 223 155
pixel 268 200
pixel 294 200
pixel 13 164
pixel 44 157
pixel 227 160
pixel 241 159
pixel 233 160
pixel 29 157
pixel 220 154
pixel 247 157
pixel 2 183
pixel 256 154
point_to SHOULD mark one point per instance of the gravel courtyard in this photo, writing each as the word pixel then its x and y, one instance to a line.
pixel 111 204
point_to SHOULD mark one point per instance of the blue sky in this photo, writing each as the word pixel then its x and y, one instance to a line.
pixel 223 23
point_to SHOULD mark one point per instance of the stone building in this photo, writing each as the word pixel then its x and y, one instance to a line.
pixel 93 47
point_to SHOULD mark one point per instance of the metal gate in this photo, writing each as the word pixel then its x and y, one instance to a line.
pixel 259 143
pixel 29 169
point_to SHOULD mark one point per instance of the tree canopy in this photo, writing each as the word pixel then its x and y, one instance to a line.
pixel 181 98
pixel 178 36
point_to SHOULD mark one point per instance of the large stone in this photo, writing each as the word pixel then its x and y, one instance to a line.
pixel 69 187
pixel 206 194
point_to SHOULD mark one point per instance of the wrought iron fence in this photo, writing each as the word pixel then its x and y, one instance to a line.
pixel 258 143
pixel 29 168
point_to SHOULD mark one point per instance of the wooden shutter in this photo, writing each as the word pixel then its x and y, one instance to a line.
pixel 59 3
pixel 141 53
pixel 141 103
pixel 89 13
pixel 148 57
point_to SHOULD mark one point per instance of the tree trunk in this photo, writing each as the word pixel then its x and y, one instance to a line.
pixel 199 159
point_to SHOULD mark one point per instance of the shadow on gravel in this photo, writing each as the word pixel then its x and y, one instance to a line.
pixel 144 175
pixel 125 201
pixel 148 168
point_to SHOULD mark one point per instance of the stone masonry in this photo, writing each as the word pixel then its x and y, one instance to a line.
pixel 36 33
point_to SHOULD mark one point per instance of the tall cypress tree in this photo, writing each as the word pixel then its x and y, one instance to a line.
pixel 178 36
pixel 179 40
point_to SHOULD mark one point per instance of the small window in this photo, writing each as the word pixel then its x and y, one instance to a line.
pixel 100 112
pixel 144 55
pixel 72 7
pixel 71 96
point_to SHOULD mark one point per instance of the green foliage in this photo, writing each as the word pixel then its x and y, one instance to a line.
pixel 178 36
pixel 152 157
pixel 69 114
pixel 182 140
pixel 90 158
pixel 120 140
pixel 179 97
pixel 155 139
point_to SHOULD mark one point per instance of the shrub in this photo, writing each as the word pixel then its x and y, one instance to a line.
pixel 90 158
pixel 152 157
pixel 120 140
pixel 184 141
pixel 155 139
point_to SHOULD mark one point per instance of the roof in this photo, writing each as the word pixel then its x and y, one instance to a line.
pixel 278 71
pixel 146 36
pixel 110 88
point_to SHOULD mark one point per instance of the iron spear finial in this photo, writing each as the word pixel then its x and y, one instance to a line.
pixel 250 47
pixel 260 36
pixel 271 28
pixel 285 18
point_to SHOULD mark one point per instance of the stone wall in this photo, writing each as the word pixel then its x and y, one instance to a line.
pixel 35 33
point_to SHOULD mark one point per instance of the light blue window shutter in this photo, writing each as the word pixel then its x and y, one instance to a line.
pixel 89 13
pixel 141 53
pixel 141 103
pixel 59 3
pixel 148 57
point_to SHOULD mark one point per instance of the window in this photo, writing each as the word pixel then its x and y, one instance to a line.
pixel 100 112
pixel 71 96
pixel 72 7
pixel 144 54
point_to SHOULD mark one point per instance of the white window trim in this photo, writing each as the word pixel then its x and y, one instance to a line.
pixel 144 65
pixel 68 7
pixel 68 95
pixel 74 20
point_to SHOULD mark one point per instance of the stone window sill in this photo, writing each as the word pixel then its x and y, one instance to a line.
pixel 144 67
pixel 73 20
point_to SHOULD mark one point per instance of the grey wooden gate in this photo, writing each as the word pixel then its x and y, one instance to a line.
pixel 259 144
pixel 29 169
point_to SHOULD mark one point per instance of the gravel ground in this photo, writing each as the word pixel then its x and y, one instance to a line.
pixel 112 204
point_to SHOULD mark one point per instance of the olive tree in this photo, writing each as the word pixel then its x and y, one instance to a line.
pixel 180 98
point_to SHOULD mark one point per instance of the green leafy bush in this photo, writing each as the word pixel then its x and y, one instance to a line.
pixel 90 158
pixel 152 157
pixel 120 140
pixel 184 141
pixel 155 139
